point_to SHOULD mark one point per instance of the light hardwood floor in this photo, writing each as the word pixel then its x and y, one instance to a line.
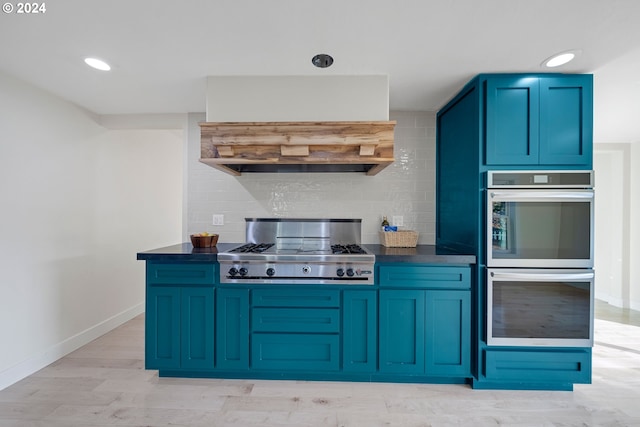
pixel 104 384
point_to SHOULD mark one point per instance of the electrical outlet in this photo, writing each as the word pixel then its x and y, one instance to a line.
pixel 218 219
pixel 397 220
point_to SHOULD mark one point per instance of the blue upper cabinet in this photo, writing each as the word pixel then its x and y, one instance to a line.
pixel 512 121
pixel 538 120
pixel 566 120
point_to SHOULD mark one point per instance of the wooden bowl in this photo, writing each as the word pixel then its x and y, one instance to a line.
pixel 204 241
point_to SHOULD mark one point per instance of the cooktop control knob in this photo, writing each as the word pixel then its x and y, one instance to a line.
pixel 350 272
pixel 233 271
pixel 243 271
pixel 271 271
pixel 340 272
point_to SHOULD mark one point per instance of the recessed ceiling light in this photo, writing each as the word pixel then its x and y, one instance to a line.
pixel 98 64
pixel 322 60
pixel 560 58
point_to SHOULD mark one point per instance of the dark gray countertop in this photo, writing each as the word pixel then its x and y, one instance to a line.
pixel 427 254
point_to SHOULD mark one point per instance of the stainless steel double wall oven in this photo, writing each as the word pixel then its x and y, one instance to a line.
pixel 540 275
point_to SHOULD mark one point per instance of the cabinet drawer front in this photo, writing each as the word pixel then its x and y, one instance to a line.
pixel 425 277
pixel 185 273
pixel 295 297
pixel 295 352
pixel 295 320
pixel 538 366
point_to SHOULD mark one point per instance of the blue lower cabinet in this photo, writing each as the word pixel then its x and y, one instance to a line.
pixel 179 327
pixel 232 328
pixel 359 331
pixel 295 329
pixel 448 339
pixel 162 328
pixel 197 328
pixel 426 332
pixel 546 366
pixel 402 331
pixel 287 352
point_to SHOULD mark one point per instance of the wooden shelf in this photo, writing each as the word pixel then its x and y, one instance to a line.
pixel 228 145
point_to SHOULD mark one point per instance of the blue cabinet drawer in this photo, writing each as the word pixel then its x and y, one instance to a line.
pixel 184 273
pixel 295 320
pixel 289 352
pixel 566 366
pixel 422 276
pixel 295 297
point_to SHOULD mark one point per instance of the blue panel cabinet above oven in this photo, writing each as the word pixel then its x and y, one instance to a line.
pixel 539 120
pixel 523 121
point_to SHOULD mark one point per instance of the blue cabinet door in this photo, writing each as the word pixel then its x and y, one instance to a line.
pixel 448 335
pixel 232 328
pixel 359 331
pixel 402 331
pixel 197 328
pixel 566 120
pixel 544 121
pixel 512 120
pixel 162 327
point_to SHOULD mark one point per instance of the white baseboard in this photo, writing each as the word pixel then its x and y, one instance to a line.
pixel 24 369
pixel 618 302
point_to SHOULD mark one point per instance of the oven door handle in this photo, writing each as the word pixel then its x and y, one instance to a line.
pixel 544 276
pixel 534 194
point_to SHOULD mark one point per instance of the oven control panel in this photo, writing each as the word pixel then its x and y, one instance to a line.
pixel 283 272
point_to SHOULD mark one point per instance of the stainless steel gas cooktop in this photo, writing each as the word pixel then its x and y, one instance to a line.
pixel 299 251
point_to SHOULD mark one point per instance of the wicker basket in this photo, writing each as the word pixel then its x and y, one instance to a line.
pixel 399 239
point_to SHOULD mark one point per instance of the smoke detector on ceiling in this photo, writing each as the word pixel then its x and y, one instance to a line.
pixel 322 60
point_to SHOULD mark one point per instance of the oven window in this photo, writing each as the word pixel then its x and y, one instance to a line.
pixel 556 310
pixel 541 230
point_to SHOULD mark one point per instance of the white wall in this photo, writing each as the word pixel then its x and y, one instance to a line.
pixel 634 226
pixel 617 234
pixel 77 201
pixel 405 188
pixel 609 265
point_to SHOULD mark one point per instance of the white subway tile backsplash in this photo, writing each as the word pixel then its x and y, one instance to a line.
pixel 405 188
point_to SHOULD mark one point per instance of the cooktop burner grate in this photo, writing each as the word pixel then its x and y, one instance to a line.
pixel 347 249
pixel 254 248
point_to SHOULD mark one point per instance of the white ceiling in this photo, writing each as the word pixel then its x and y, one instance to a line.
pixel 161 51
